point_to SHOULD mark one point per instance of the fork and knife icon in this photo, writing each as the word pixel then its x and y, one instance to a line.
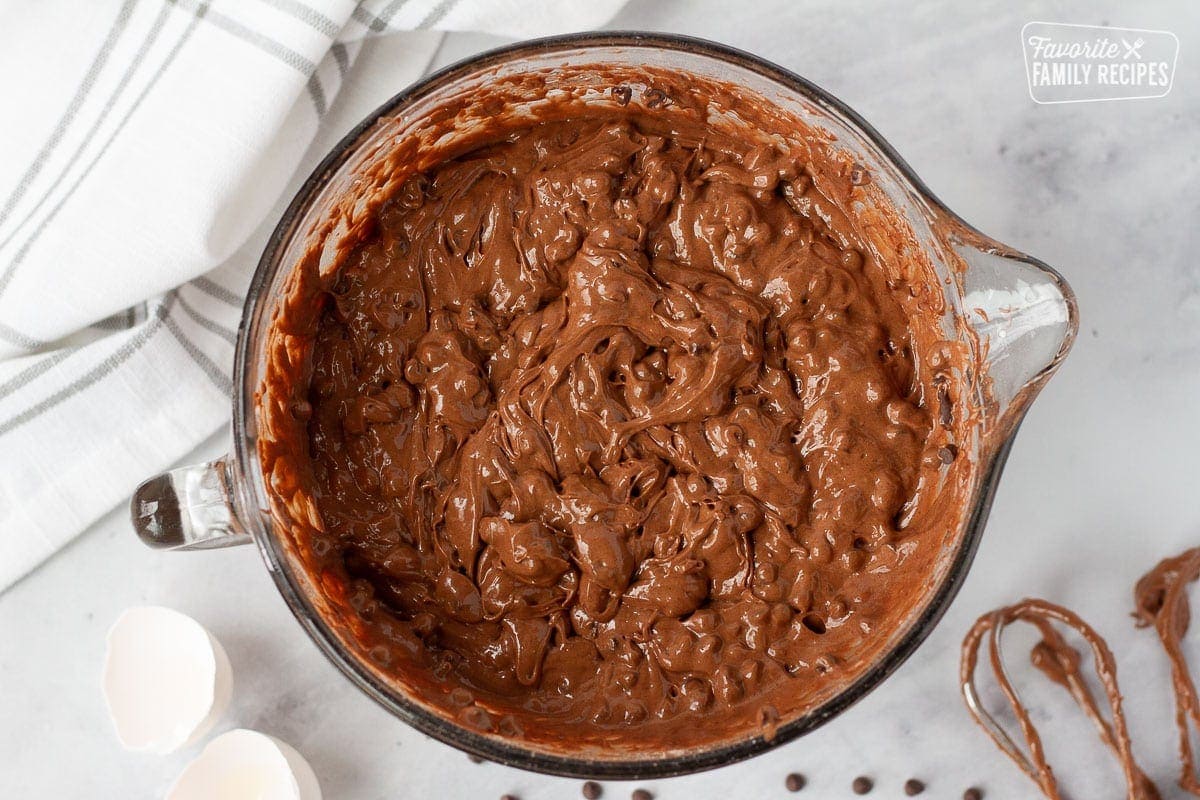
pixel 1132 49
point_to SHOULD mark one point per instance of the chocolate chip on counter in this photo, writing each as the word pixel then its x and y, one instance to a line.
pixel 913 787
pixel 973 793
pixel 509 797
pixel 474 759
pixel 862 784
pixel 592 790
pixel 795 782
pixel 641 794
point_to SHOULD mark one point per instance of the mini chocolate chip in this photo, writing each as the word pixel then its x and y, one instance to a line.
pixel 945 407
pixel 912 787
pixel 795 782
pixel 973 794
pixel 592 790
pixel 656 98
pixel 623 94
pixel 474 759
pixel 641 794
pixel 947 454
pixel 301 410
pixel 509 797
pixel 862 784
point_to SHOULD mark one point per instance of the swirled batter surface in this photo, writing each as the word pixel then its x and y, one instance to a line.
pixel 618 434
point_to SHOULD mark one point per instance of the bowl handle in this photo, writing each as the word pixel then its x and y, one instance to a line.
pixel 1024 315
pixel 190 508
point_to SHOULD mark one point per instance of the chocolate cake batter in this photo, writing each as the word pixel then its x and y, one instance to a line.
pixel 614 431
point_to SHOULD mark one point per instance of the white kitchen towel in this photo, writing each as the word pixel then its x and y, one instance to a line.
pixel 146 142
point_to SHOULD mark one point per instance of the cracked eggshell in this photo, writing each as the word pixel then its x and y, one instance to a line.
pixel 246 765
pixel 166 679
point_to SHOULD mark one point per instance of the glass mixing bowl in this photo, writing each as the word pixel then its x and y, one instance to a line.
pixel 1017 316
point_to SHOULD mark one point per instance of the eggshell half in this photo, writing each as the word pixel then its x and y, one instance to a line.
pixel 166 679
pixel 246 765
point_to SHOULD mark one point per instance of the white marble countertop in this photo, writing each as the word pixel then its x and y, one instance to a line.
pixel 1102 481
